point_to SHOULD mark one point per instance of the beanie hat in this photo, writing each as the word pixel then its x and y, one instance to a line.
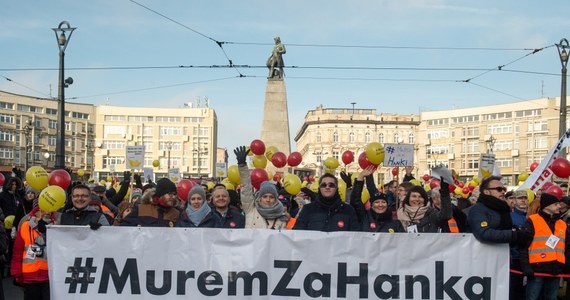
pixel 99 189
pixel 267 188
pixel 164 186
pixel 197 189
pixel 29 189
pixel 546 200
pixel 378 196
pixel 136 193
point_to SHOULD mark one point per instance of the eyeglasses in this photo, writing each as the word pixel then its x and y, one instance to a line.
pixel 498 189
pixel 327 184
pixel 80 196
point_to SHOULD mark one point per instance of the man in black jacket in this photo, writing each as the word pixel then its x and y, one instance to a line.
pixel 82 213
pixel 328 212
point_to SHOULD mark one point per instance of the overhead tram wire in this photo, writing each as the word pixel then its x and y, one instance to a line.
pixel 25 86
pixel 220 44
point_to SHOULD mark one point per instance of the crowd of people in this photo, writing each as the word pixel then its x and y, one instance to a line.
pixel 537 233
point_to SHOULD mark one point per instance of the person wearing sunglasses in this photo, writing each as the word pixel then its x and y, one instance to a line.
pixel 328 212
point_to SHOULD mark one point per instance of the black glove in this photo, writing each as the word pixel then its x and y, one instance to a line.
pixel 309 193
pixel 138 179
pixel 94 225
pixel 42 226
pixel 521 237
pixel 17 172
pixel 444 186
pixel 347 178
pixel 127 177
pixel 241 154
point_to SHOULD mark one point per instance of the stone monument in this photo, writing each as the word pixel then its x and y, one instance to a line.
pixel 275 127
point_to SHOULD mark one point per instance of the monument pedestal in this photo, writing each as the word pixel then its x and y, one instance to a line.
pixel 275 127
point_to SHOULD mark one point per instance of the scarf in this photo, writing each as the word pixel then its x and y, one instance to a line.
pixel 500 207
pixel 407 214
pixel 329 203
pixel 196 216
pixel 273 212
pixel 381 217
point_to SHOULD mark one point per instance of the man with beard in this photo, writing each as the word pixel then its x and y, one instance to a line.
pixel 328 212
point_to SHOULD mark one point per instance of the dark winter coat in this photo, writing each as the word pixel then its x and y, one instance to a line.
pixel 319 216
pixel 233 218
pixel 211 220
pixel 371 221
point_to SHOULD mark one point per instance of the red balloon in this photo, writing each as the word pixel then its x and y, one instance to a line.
pixel 60 178
pixel 434 183
pixel 311 178
pixel 466 190
pixel 546 185
pixel 470 187
pixel 426 177
pixel 451 188
pixel 294 159
pixel 183 188
pixel 561 167
pixel 257 177
pixel 461 184
pixel 347 157
pixel 2 179
pixel 257 147
pixel 279 159
pixel 305 178
pixel 395 171
pixel 277 177
pixel 363 161
pixel 555 191
pixel 533 166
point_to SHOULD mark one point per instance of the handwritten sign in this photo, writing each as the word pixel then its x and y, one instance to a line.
pixel 148 174
pixel 135 157
pixel 221 169
pixel 174 175
pixel 486 165
pixel 398 155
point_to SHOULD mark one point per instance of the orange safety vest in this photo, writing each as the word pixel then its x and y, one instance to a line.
pixel 453 225
pixel 538 251
pixel 291 223
pixel 107 211
pixel 31 265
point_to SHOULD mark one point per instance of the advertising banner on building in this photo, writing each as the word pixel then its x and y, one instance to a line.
pixel 205 263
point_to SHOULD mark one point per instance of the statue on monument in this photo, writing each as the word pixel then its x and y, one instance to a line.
pixel 275 61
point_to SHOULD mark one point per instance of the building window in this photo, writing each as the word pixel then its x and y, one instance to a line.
pixel 168 119
pixel 52 140
pixel 4 118
pixel 51 111
pixel 473 164
pixel 169 130
pixel 114 145
pixel 381 138
pixel 6 153
pixel 79 115
pixel 109 129
pixel 411 139
pixel 471 131
pixel 6 136
pixel 140 119
pixel 114 118
pixel 396 138
pixel 174 146
pixel 318 137
pixel 52 124
pixel 335 136
pixel 4 105
pixel 112 161
pixel 437 134
pixel 351 137
pixel 500 128
pixel 367 137
pixel 29 108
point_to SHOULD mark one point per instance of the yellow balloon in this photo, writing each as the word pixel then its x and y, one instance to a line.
pixel 375 153
pixel 109 179
pixel 476 179
pixel 342 189
pixel 530 195
pixel 292 184
pixel 269 151
pixel 9 221
pixel 210 185
pixel 473 183
pixel 314 187
pixel 304 184
pixel 458 191
pixel 156 163
pixel 37 177
pixel 260 161
pixel 103 182
pixel 427 188
pixel 415 182
pixel 331 163
pixel 249 153
pixel 228 184
pixel 328 171
pixel 365 195
pixel 80 172
pixel 523 176
pixel 51 198
pixel 233 175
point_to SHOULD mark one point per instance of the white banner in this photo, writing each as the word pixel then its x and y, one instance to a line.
pixel 205 263
pixel 543 173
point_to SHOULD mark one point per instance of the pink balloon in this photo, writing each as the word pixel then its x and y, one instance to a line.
pixel 60 178
pixel 279 159
pixel 294 159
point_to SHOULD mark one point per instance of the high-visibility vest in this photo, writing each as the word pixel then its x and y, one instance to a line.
pixel 453 225
pixel 291 223
pixel 107 211
pixel 31 265
pixel 538 251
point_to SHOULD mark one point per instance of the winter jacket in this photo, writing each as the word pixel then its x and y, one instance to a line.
pixel 317 215
pixel 84 216
pixel 37 265
pixel 552 267
pixel 232 219
pixel 10 201
pixel 371 221
pixel 433 218
pixel 23 209
pixel 150 214
pixel 253 219
pixel 211 220
pixel 484 222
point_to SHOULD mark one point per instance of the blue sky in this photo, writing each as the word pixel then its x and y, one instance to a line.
pixel 121 33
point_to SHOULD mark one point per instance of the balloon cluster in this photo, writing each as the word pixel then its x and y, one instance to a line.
pixel 52 186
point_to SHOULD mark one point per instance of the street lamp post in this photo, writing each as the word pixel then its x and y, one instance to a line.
pixel 563 61
pixel 168 147
pixel 62 40
pixel 28 141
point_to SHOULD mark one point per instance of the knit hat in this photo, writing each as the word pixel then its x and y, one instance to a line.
pixel 99 189
pixel 164 186
pixel 197 189
pixel 29 189
pixel 546 200
pixel 136 193
pixel 267 188
pixel 378 196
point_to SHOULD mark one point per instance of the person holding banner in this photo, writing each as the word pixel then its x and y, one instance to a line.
pixel 327 212
pixel 82 213
pixel 262 209
pixel 230 217
pixel 417 216
pixel 544 257
pixel 198 213
pixel 29 264
pixel 379 217
pixel 157 208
